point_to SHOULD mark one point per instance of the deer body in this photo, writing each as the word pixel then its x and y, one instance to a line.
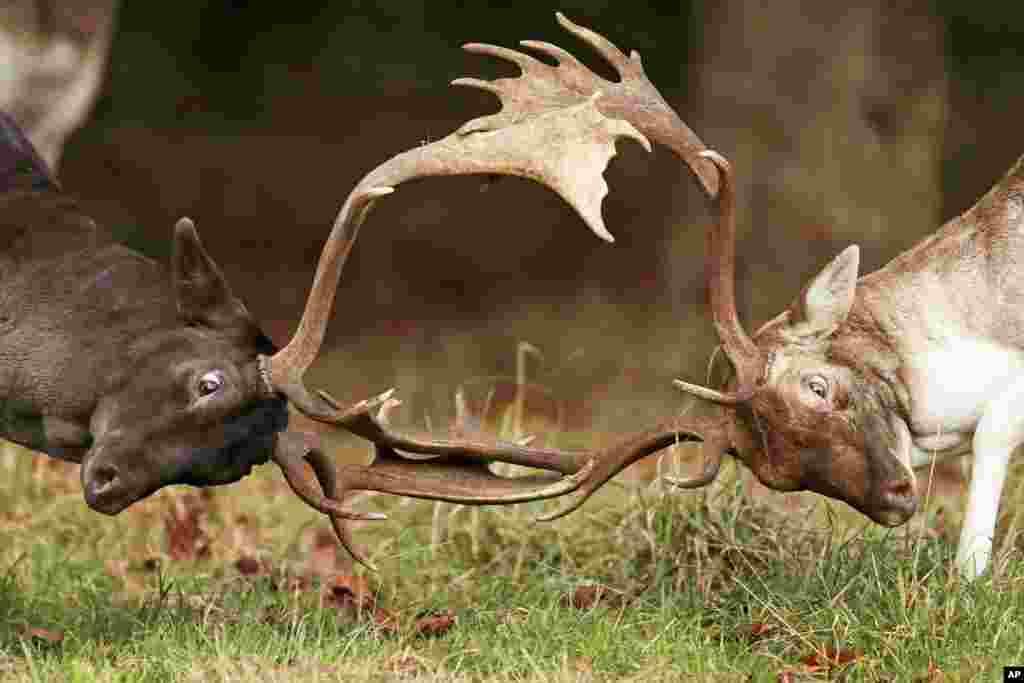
pixel 55 306
pixel 858 382
pixel 933 343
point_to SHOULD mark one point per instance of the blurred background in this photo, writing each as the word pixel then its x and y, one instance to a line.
pixel 867 122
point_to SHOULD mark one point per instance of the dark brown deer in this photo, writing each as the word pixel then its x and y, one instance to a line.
pixel 858 382
pixel 150 378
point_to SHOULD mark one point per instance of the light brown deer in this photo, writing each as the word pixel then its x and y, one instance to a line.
pixel 859 381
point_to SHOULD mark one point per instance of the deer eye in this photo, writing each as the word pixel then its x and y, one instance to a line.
pixel 818 385
pixel 210 383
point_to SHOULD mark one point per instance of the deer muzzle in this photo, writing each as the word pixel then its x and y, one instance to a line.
pixel 109 481
pixel 896 488
pixel 898 502
pixel 104 486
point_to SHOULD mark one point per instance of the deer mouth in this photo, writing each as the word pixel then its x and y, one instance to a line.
pixel 898 504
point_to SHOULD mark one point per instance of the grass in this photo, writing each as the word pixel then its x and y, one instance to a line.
pixel 241 584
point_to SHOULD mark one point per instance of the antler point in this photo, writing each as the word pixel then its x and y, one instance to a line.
pixel 597 227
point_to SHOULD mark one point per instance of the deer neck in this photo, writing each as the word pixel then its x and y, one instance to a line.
pixel 948 313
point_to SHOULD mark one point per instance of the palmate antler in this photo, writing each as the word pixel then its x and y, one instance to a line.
pixel 634 98
pixel 560 138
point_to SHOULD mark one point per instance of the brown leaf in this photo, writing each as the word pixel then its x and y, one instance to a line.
pixel 248 565
pixel 43 634
pixel 830 658
pixel 756 630
pixel 385 621
pixel 186 539
pixel 811 661
pixel 435 624
pixel 323 554
pixel 589 594
pixel 844 657
pixel 934 675
pixel 347 590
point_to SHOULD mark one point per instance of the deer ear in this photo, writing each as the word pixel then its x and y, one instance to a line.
pixel 826 300
pixel 203 294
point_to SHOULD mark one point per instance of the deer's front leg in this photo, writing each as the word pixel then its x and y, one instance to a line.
pixel 999 432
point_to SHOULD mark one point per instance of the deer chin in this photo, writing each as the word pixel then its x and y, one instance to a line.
pixel 895 515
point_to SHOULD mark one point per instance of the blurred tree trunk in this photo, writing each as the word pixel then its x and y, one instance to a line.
pixel 52 57
pixel 833 117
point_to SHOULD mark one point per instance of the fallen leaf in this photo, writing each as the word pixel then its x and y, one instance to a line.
pixel 587 595
pixel 830 658
pixel 186 539
pixel 756 630
pixel 44 634
pixel 248 565
pixel 934 675
pixel 384 621
pixel 435 624
pixel 347 590
pixel 322 559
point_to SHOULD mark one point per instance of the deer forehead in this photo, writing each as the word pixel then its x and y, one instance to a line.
pixel 792 361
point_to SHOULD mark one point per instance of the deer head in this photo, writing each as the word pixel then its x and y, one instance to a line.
pixel 809 411
pixel 186 404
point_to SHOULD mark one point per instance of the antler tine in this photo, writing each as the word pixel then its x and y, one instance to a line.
pixel 460 474
pixel 636 100
pixel 612 460
pixel 613 55
pixel 633 98
pixel 721 264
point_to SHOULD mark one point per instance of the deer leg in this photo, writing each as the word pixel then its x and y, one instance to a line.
pixel 999 432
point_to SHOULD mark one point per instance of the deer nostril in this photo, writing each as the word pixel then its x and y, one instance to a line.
pixel 103 477
pixel 900 498
pixel 900 489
